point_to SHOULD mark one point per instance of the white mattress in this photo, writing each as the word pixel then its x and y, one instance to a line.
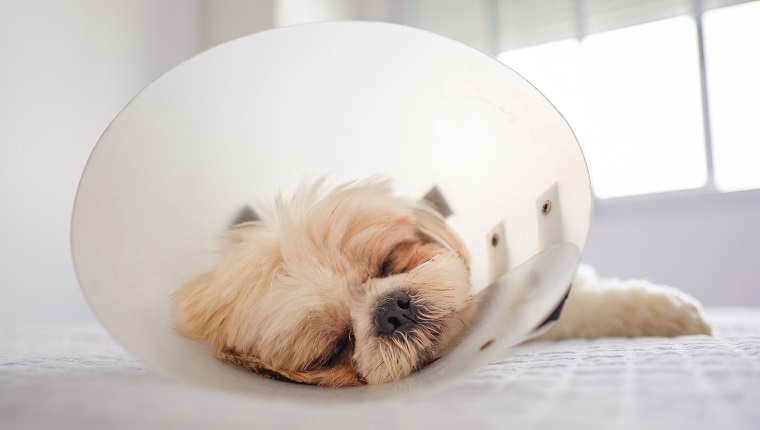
pixel 76 377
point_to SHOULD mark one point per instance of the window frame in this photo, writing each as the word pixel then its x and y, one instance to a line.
pixel 482 23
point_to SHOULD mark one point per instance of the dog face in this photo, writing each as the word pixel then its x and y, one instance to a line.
pixel 344 287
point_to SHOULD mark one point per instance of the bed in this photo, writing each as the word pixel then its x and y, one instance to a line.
pixel 77 377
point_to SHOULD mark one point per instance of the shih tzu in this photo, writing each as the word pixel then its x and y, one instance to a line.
pixel 357 285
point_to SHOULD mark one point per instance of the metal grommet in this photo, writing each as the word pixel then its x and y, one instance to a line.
pixel 546 207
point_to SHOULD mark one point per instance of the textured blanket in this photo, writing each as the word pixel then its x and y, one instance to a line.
pixel 77 377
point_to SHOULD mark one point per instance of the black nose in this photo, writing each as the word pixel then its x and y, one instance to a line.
pixel 395 313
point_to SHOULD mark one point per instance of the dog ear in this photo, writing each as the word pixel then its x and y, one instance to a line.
pixel 205 306
pixel 197 313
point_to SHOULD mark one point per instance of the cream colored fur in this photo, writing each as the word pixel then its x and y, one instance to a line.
pixel 294 294
pixel 612 308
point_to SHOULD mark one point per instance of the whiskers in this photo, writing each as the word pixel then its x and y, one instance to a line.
pixel 404 352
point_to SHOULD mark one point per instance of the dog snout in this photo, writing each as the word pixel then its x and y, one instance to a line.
pixel 396 312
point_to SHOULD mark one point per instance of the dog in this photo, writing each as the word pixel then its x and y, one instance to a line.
pixel 357 285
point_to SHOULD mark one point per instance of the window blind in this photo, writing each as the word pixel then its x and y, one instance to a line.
pixel 498 25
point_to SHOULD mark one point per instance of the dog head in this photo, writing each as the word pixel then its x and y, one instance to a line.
pixel 343 287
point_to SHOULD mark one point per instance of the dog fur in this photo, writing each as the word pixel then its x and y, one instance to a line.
pixel 295 294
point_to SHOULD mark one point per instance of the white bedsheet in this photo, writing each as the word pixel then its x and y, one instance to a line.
pixel 76 377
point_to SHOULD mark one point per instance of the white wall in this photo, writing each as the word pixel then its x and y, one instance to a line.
pixel 66 69
pixel 707 245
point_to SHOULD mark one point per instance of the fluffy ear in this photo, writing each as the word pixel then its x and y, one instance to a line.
pixel 431 224
pixel 197 314
pixel 206 306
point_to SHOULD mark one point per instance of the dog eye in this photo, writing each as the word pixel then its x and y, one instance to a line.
pixel 399 260
pixel 343 344
pixel 386 267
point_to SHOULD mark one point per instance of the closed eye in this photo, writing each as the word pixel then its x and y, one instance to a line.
pixel 385 267
pixel 402 258
pixel 342 346
pixel 389 266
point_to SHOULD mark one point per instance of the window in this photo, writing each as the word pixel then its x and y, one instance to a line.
pixel 733 80
pixel 632 96
pixel 662 94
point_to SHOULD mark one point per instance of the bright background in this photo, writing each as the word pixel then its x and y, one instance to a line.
pixel 672 141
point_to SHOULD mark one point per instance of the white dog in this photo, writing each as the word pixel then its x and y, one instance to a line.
pixel 357 285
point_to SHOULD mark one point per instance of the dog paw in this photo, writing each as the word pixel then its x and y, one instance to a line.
pixel 613 308
pixel 666 311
